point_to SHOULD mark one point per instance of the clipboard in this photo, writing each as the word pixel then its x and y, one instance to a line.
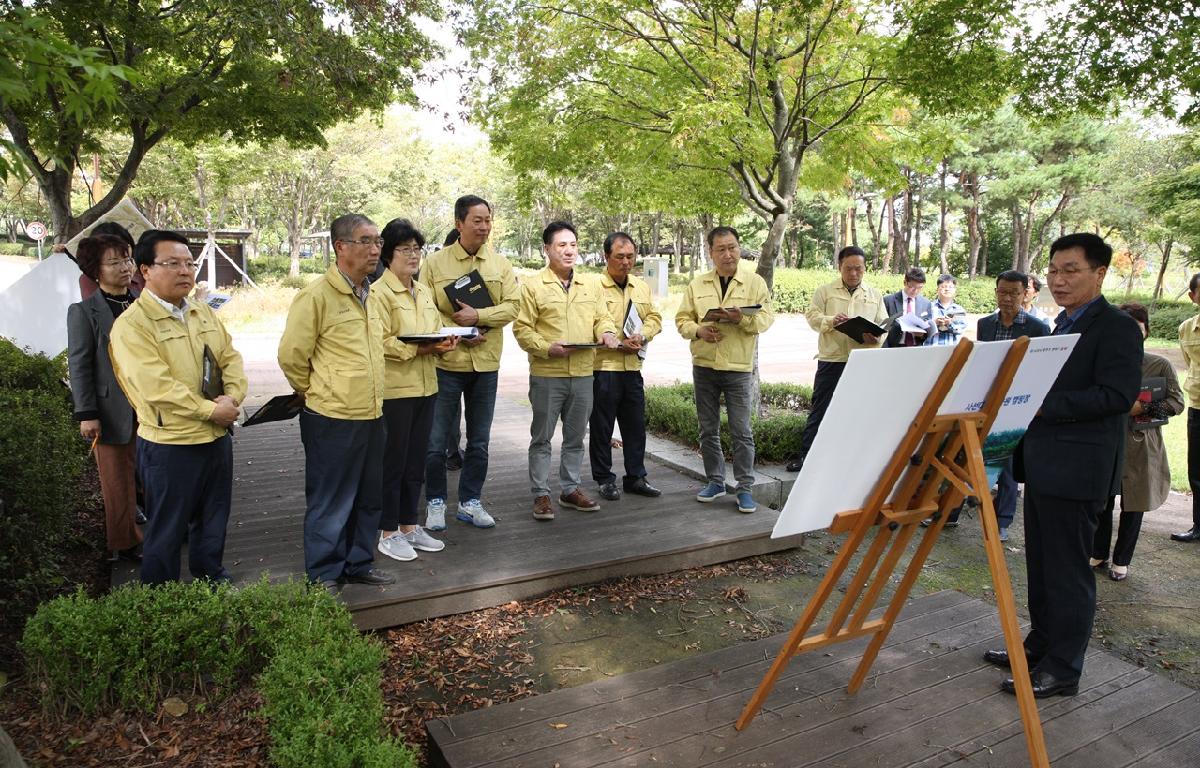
pixel 212 383
pixel 470 290
pixel 716 315
pixel 855 327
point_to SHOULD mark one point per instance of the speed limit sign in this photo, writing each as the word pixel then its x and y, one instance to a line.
pixel 36 230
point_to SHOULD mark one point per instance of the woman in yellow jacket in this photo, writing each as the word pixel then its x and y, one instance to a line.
pixel 410 389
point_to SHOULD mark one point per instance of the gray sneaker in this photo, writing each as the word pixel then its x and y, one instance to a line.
pixel 471 511
pixel 435 515
pixel 418 539
pixel 397 547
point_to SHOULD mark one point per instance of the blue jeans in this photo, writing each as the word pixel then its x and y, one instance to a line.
pixel 343 493
pixel 477 389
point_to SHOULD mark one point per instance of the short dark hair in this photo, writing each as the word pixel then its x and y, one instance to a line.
pixel 1137 312
pixel 343 226
pixel 113 228
pixel 553 228
pixel 946 278
pixel 616 237
pixel 1194 283
pixel 451 238
pixel 1036 282
pixel 398 232
pixel 1013 276
pixel 92 249
pixel 143 252
pixel 716 232
pixel 464 204
pixel 851 250
pixel 1097 252
pixel 914 275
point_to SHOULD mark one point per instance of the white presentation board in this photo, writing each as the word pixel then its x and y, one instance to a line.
pixel 879 395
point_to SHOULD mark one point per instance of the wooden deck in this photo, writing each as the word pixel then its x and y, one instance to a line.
pixel 931 701
pixel 519 558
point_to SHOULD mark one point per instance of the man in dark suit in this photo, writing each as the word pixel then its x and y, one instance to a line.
pixel 1008 322
pixel 904 302
pixel 1070 460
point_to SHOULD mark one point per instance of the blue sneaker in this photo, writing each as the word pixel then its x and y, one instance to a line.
pixel 1003 534
pixel 710 492
pixel 471 511
pixel 745 502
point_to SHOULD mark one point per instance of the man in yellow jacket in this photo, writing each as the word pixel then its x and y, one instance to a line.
pixel 332 355
pixel 618 395
pixel 560 309
pixel 470 372
pixel 723 312
pixel 833 304
pixel 171 356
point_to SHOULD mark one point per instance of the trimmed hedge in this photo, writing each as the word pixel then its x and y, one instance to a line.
pixel 42 458
pixel 319 677
pixel 265 267
pixel 671 412
pixel 794 289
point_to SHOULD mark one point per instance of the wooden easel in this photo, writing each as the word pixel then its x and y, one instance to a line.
pixel 935 450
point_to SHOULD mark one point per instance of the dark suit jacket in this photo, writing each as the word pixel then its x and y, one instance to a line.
pixel 985 329
pixel 1074 447
pixel 93 384
pixel 893 303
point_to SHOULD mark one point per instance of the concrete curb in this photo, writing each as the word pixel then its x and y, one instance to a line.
pixel 772 482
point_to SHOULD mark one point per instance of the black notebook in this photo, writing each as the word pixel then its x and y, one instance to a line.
pixel 212 384
pixel 855 327
pixel 470 290
pixel 1153 392
pixel 278 408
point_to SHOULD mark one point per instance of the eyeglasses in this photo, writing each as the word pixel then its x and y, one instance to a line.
pixel 1068 272
pixel 367 241
pixel 118 262
pixel 190 266
pixel 406 250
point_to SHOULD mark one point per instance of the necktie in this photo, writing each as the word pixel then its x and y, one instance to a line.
pixel 909 339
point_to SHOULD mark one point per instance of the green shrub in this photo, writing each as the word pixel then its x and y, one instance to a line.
pixel 319 677
pixel 277 267
pixel 19 249
pixel 42 458
pixel 293 281
pixel 671 411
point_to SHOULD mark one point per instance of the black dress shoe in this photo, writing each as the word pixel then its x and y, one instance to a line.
pixel 1045 685
pixel 373 576
pixel 795 465
pixel 1000 659
pixel 1189 535
pixel 642 488
pixel 609 492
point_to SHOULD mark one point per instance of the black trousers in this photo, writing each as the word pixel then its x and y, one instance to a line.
pixel 617 396
pixel 1193 439
pixel 1059 534
pixel 188 490
pixel 824 383
pixel 1128 529
pixel 409 421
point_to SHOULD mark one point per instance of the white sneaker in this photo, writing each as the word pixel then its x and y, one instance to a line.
pixel 471 511
pixel 435 515
pixel 418 539
pixel 396 546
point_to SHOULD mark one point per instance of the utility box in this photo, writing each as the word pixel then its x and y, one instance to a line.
pixel 656 270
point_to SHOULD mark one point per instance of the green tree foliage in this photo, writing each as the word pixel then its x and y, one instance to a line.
pixel 255 70
pixel 747 92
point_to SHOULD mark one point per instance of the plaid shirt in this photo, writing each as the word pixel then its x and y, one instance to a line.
pixel 1012 331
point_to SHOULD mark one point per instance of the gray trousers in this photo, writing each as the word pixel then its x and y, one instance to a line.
pixel 552 397
pixel 735 385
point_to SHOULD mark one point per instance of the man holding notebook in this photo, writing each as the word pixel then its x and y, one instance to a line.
pixel 833 304
pixel 722 313
pixel 178 368
pixel 485 290
pixel 560 323
pixel 618 395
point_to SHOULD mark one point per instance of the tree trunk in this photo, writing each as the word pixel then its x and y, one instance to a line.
pixel 852 221
pixel 888 215
pixel 655 233
pixel 876 257
pixel 970 185
pixel 835 224
pixel 678 247
pixel 920 204
pixel 1162 268
pixel 770 249
pixel 943 225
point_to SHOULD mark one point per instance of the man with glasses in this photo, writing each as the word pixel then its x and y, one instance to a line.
pixel 833 304
pixel 471 371
pixel 163 349
pixel 1070 460
pixel 1009 321
pixel 332 355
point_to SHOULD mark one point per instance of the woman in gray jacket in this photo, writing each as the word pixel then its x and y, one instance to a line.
pixel 105 417
pixel 1146 476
